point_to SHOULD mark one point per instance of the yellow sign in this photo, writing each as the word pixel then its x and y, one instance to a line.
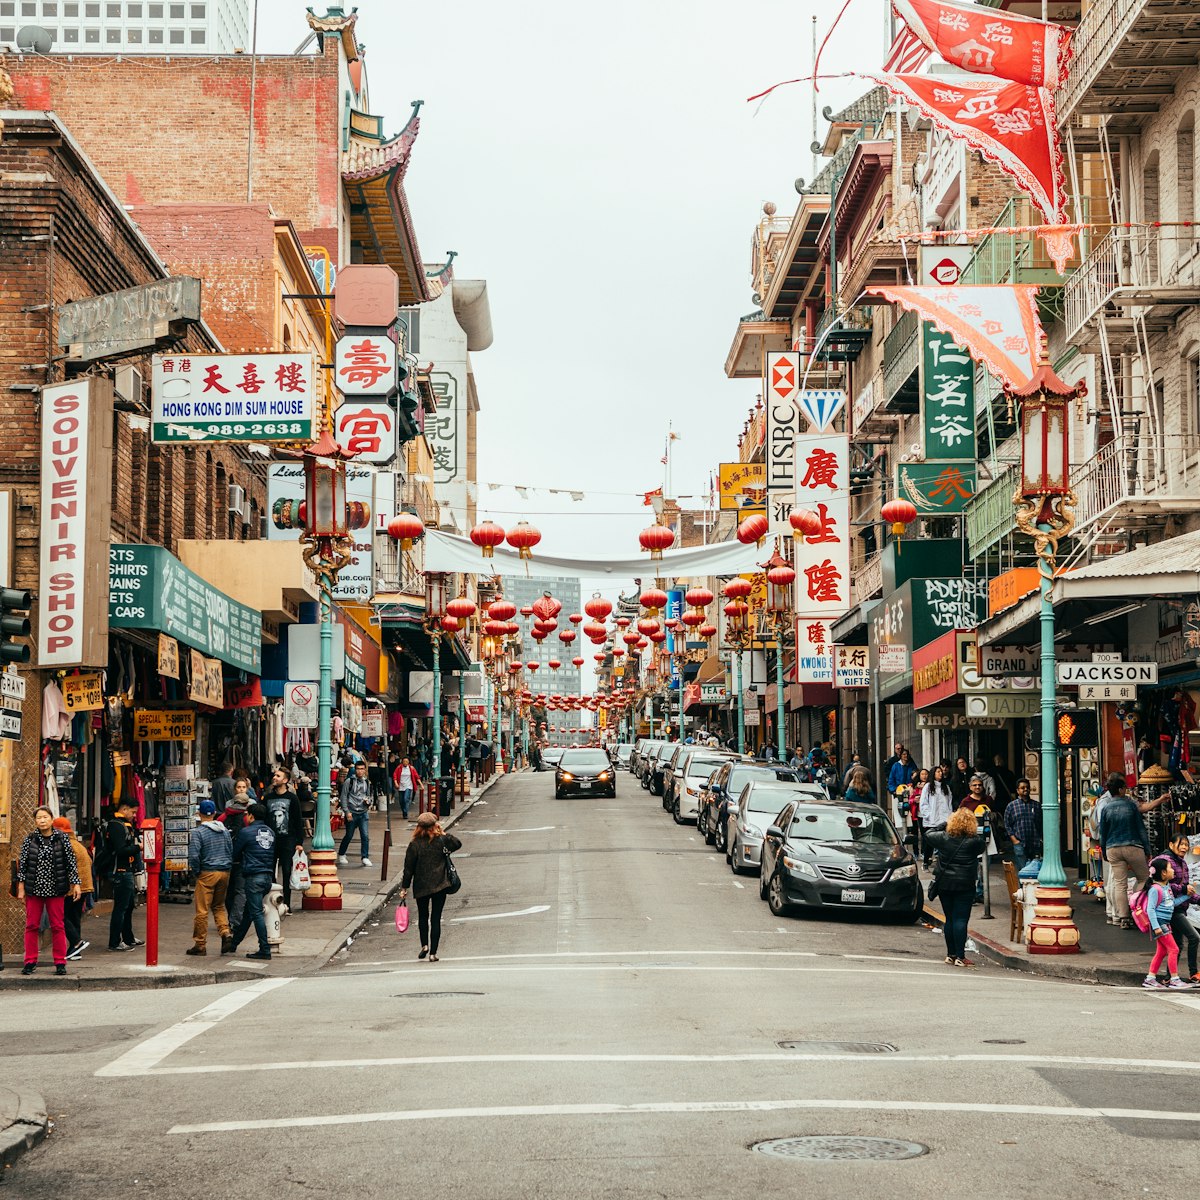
pixel 742 485
pixel 82 693
pixel 164 725
pixel 168 656
pixel 207 683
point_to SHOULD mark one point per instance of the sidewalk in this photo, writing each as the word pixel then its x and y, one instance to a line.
pixel 23 1125
pixel 310 939
pixel 1108 955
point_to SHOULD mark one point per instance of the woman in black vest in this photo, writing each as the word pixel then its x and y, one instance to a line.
pixel 958 848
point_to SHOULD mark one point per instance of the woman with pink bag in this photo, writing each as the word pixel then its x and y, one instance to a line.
pixel 428 869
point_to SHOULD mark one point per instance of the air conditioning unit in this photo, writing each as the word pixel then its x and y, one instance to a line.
pixel 237 500
pixel 127 383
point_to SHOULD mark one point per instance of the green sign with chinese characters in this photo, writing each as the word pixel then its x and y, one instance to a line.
pixel 947 396
pixel 149 588
pixel 355 681
pixel 939 488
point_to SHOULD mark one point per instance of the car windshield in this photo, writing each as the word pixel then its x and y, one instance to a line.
pixel 842 826
pixel 768 800
pixel 744 772
pixel 703 766
pixel 584 760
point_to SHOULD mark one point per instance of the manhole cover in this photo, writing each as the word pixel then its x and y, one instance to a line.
pixel 834 1149
pixel 431 995
pixel 1004 1041
pixel 840 1047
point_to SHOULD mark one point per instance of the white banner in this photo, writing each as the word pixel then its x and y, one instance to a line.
pixel 822 467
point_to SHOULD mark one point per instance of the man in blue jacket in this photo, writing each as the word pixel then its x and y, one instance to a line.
pixel 210 859
pixel 255 851
pixel 1124 844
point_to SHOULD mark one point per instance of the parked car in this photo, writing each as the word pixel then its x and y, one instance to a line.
pixel 757 806
pixel 551 756
pixel 690 775
pixel 838 856
pixel 641 756
pixel 585 772
pixel 726 786
pixel 655 762
pixel 667 789
pixel 622 752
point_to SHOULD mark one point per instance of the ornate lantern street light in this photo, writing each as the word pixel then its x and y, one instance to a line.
pixel 1045 507
pixel 736 634
pixel 780 577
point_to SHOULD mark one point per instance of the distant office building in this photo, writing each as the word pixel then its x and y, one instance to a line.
pixel 132 26
pixel 566 679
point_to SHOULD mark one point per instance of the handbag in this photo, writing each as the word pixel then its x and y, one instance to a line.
pixel 300 879
pixel 401 917
pixel 451 873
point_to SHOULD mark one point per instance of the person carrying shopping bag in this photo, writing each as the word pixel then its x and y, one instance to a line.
pixel 46 875
pixel 428 870
pixel 1160 909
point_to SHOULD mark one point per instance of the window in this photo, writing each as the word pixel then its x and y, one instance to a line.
pixel 197 12
pixel 8 9
pixel 156 37
pixel 114 10
pixel 91 10
pixel 133 36
pixel 28 9
pixel 197 37
pixel 176 37
pixel 50 8
pixel 133 10
pixel 1147 267
pixel 91 36
pixel 70 35
pixel 70 10
pixel 1185 168
pixel 155 11
pixel 176 12
pixel 7 33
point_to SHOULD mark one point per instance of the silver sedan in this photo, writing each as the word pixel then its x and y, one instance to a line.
pixel 757 806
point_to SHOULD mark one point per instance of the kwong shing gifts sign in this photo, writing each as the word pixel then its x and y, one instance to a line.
pixel 823 556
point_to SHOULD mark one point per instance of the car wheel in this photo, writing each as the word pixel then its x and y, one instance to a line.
pixel 676 816
pixel 719 838
pixel 557 794
pixel 732 857
pixel 762 880
pixel 775 901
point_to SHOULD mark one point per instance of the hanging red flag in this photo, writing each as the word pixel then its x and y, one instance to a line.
pixel 1010 124
pixel 988 42
pixel 908 53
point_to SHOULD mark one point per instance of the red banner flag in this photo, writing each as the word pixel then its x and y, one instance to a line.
pixel 988 42
pixel 1010 124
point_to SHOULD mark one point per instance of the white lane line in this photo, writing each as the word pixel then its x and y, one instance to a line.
pixel 530 968
pixel 505 832
pixel 1183 1001
pixel 691 1106
pixel 524 912
pixel 739 885
pixel 148 1054
pixel 345 1064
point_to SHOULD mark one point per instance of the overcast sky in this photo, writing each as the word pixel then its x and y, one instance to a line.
pixel 600 168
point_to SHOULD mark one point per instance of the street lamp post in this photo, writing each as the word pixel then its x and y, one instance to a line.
pixel 780 577
pixel 1045 507
pixel 435 607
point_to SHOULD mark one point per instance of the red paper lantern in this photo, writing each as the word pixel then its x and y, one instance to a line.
pixel 660 636
pixel 753 529
pixel 595 629
pixel 656 539
pixel 708 631
pixel 513 668
pixel 597 607
pixel 899 514
pixel 546 608
pixel 781 575
pixel 531 666
pixel 647 626
pixel 618 651
pixel 512 628
pixel 567 636
pixel 502 610
pixel 630 637
pixel 600 657
pixel 450 624
pixel 623 622
pixel 693 618
pixel 461 609
pixel 495 629
pixel 406 528
pixel 738 588
pixel 575 618
pixel 554 664
pixel 527 610
pixel 698 597
pixel 578 662
pixel 523 538
pixel 652 599
pixel 487 535
pixel 736 610
pixel 545 627
pixel 804 522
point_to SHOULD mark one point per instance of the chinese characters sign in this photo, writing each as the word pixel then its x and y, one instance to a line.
pixel 441 429
pixel 822 472
pixel 233 398
pixel 365 365
pixel 937 488
pixel 850 669
pixel 947 396
pixel 742 485
pixel 814 654
pixel 367 428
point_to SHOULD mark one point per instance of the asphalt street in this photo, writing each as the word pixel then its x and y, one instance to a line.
pixel 615 1015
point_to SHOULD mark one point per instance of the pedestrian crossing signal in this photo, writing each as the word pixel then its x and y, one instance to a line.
pixel 1073 727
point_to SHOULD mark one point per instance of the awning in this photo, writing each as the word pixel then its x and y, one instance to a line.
pixel 712 670
pixel 1166 568
pixel 851 630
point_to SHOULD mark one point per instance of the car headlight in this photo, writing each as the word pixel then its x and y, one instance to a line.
pixel 567 775
pixel 602 775
pixel 692 792
pixel 799 866
pixel 752 830
pixel 905 872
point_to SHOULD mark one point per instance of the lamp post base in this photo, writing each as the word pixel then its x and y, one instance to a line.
pixel 1053 930
pixel 325 894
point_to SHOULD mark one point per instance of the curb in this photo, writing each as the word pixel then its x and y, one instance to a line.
pixel 26 1129
pixel 383 898
pixel 1067 967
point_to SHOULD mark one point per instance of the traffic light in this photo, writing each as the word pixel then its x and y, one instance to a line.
pixel 1073 727
pixel 14 623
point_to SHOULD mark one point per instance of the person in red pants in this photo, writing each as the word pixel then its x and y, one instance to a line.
pixel 46 875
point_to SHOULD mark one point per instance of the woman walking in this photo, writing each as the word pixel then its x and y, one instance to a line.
pixel 958 848
pixel 425 870
pixel 1184 894
pixel 937 803
pixel 859 790
pixel 73 908
pixel 1160 908
pixel 46 875
pixel 959 780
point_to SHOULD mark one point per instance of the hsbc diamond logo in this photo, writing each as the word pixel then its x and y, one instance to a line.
pixel 783 374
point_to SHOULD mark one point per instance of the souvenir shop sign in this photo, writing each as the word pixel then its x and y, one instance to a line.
pixel 164 725
pixel 937 489
pixel 822 486
pixel 73 523
pixel 356 678
pixel 149 588
pixel 168 656
pixel 205 684
pixel 814 654
pixel 947 396
pixel 243 695
pixel 935 671
pixel 741 485
pixel 850 667
pixel 233 398
pixel 82 693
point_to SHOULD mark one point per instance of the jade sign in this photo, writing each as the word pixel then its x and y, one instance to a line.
pixel 149 588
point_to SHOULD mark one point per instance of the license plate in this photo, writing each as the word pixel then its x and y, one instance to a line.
pixel 853 896
pixel 585 783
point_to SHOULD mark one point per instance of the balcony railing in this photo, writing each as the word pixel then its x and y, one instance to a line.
pixel 901 354
pixel 1157 475
pixel 990 513
pixel 1137 269
pixel 1099 34
pixel 395 570
pixel 1015 257
pixel 867 582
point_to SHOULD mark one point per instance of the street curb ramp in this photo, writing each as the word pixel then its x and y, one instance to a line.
pixel 24 1124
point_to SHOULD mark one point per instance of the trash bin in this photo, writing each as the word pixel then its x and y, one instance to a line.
pixel 445 795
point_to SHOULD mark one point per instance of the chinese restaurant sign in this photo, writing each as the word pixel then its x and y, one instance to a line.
pixel 939 488
pixel 814 654
pixel 233 397
pixel 149 588
pixel 947 396
pixel 822 475
pixel 441 429
pixel 366 429
pixel 365 364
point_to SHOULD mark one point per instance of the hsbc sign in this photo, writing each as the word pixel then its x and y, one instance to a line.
pixel 783 427
pixel 367 428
